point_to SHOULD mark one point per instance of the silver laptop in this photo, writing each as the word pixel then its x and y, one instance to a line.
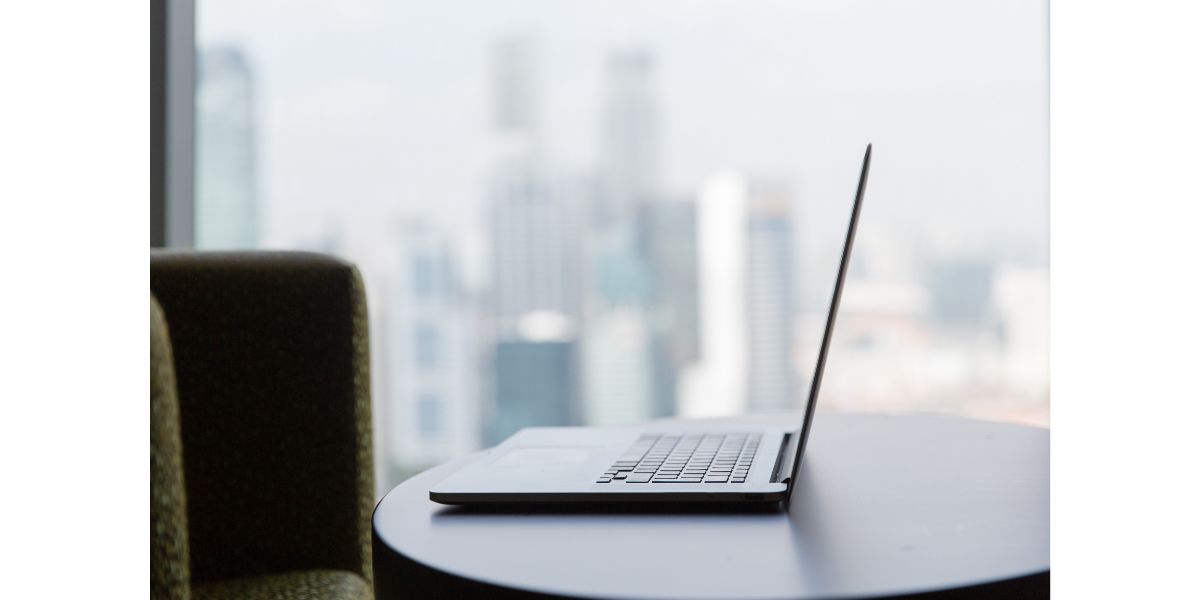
pixel 679 462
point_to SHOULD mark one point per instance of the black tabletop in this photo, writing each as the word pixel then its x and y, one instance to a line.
pixel 885 505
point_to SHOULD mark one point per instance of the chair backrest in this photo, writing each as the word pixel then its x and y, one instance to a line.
pixel 169 577
pixel 271 362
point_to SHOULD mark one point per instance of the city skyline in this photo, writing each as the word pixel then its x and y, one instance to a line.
pixel 614 266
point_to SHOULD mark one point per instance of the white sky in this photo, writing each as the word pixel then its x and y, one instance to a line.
pixel 370 109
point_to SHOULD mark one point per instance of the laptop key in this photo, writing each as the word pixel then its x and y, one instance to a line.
pixel 639 478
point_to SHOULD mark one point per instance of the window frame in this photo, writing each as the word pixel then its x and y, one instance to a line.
pixel 172 131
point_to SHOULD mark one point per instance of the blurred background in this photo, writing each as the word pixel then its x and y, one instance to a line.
pixel 573 212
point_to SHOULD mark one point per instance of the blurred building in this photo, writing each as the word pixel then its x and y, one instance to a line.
pixel 669 236
pixel 669 240
pixel 630 139
pixel 430 355
pixel 535 303
pixel 619 368
pixel 962 288
pixel 515 136
pixel 626 378
pixel 535 250
pixel 534 244
pixel 1021 300
pixel 745 280
pixel 226 166
pixel 771 382
pixel 535 386
pixel 716 384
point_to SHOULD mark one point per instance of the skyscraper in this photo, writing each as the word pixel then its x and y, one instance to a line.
pixel 226 165
pixel 669 240
pixel 534 248
pixel 626 377
pixel 716 384
pixel 771 384
pixel 535 300
pixel 630 139
pixel 516 105
pixel 745 281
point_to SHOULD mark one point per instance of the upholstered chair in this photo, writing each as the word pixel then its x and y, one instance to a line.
pixel 260 434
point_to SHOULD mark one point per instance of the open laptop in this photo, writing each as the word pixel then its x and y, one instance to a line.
pixel 679 462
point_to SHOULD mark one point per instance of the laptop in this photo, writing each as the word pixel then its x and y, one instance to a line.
pixel 679 462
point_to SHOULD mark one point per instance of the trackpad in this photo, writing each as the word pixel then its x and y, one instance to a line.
pixel 543 457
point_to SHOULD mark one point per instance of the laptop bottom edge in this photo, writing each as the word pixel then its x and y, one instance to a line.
pixel 655 497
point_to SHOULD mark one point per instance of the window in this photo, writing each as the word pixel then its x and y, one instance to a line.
pixel 428 415
pixel 587 212
pixel 428 346
pixel 424 282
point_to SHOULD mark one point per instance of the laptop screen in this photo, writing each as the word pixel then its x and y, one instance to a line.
pixel 830 319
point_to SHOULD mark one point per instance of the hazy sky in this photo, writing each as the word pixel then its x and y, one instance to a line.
pixel 371 109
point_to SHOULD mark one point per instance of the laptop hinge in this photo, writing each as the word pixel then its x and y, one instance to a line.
pixel 787 454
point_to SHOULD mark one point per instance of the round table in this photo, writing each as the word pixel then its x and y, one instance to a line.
pixel 886 505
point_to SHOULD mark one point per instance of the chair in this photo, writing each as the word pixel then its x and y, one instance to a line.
pixel 260 437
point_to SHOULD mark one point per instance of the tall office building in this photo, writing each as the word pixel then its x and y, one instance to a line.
pixel 669 239
pixel 533 226
pixel 669 242
pixel 226 167
pixel 625 378
pixel 534 259
pixel 745 280
pixel 516 105
pixel 716 384
pixel 431 357
pixel 771 384
pixel 630 139
pixel 534 250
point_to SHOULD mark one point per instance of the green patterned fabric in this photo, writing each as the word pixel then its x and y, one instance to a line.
pixel 271 366
pixel 168 510
pixel 301 585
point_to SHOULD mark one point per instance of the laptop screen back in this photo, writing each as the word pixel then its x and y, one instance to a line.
pixel 815 389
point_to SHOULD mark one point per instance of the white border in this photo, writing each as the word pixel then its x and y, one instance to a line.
pixel 74 215
pixel 1125 306
pixel 74 199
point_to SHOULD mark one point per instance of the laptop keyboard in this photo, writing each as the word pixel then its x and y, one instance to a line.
pixel 685 458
